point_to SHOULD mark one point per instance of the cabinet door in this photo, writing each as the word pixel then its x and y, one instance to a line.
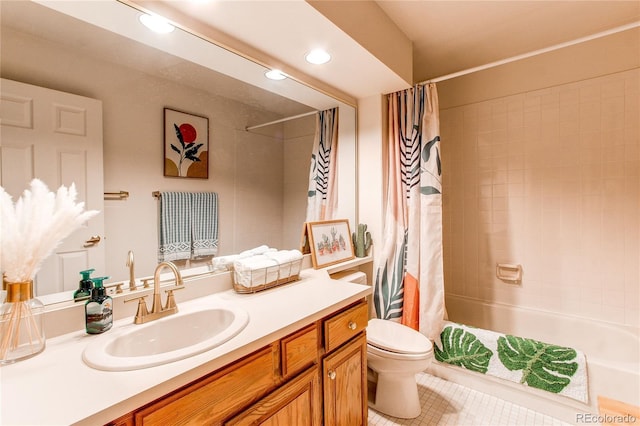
pixel 296 403
pixel 345 384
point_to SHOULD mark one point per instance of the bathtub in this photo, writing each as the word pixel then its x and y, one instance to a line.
pixel 612 352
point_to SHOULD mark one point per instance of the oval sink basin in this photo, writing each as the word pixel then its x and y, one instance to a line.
pixel 165 340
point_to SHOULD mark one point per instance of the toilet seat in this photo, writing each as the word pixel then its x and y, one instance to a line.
pixel 397 339
pixel 375 351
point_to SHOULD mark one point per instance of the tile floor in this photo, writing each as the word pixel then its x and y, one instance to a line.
pixel 447 403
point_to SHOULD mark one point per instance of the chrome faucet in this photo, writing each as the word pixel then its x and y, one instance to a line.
pixel 132 276
pixel 157 310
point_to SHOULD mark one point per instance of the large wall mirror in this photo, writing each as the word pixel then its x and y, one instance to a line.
pixel 99 50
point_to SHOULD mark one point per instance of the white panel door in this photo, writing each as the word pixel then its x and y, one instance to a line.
pixel 56 137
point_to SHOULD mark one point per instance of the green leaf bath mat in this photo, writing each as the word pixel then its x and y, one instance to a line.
pixel 545 366
pixel 462 348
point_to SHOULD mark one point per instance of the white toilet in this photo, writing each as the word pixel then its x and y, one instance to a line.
pixel 395 354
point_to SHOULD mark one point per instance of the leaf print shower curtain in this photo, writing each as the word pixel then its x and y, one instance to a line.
pixel 323 192
pixel 409 285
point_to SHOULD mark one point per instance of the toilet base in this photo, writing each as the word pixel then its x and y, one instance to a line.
pixel 396 395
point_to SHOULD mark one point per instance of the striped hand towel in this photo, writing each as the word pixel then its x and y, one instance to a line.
pixel 175 226
pixel 204 224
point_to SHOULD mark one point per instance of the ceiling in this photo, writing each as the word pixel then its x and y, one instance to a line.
pixel 450 36
pixel 447 36
pixel 29 19
pixel 285 31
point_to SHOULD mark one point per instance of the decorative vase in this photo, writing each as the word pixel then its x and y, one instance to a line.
pixel 21 323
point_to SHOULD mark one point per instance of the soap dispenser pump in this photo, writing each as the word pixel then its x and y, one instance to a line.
pixel 98 309
pixel 86 285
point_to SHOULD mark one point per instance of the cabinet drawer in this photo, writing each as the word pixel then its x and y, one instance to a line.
pixel 299 350
pixel 216 397
pixel 343 326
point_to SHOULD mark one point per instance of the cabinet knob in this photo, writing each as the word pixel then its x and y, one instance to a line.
pixel 352 325
pixel 331 374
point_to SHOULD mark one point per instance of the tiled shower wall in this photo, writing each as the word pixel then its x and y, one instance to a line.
pixel 548 179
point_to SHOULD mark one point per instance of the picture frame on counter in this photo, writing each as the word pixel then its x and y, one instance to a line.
pixel 328 241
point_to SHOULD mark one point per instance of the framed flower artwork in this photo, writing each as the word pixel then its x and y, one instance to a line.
pixel 186 145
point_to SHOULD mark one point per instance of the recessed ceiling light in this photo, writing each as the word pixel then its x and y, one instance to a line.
pixel 156 23
pixel 275 75
pixel 318 56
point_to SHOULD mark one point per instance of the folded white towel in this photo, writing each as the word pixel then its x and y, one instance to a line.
pixel 255 262
pixel 255 251
pixel 289 261
pixel 284 256
pixel 255 270
pixel 223 263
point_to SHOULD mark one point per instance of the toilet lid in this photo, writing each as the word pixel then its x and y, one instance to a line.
pixel 394 337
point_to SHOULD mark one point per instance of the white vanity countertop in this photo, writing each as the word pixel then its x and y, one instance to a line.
pixel 57 388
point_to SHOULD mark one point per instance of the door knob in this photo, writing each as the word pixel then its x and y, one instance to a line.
pixel 352 325
pixel 92 241
pixel 332 374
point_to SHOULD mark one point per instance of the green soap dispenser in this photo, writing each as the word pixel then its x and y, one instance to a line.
pixel 86 285
pixel 98 309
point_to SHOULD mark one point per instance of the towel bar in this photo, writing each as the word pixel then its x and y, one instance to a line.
pixel 121 195
pixel 156 194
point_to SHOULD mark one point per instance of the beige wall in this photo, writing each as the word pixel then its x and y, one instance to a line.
pixel 246 168
pixel 372 124
pixel 547 177
pixel 589 59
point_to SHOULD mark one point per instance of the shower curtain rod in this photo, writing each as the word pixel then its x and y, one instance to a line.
pixel 533 53
pixel 280 121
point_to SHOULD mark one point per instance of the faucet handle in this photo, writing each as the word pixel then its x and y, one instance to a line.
pixel 142 309
pixel 171 300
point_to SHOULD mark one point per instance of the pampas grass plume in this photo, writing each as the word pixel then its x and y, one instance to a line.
pixel 32 228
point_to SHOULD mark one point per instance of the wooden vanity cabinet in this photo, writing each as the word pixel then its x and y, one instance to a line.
pixel 345 385
pixel 296 403
pixel 126 420
pixel 344 367
pixel 213 398
pixel 314 376
pixel 299 350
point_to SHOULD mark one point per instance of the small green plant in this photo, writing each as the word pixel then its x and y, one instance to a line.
pixel 361 240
